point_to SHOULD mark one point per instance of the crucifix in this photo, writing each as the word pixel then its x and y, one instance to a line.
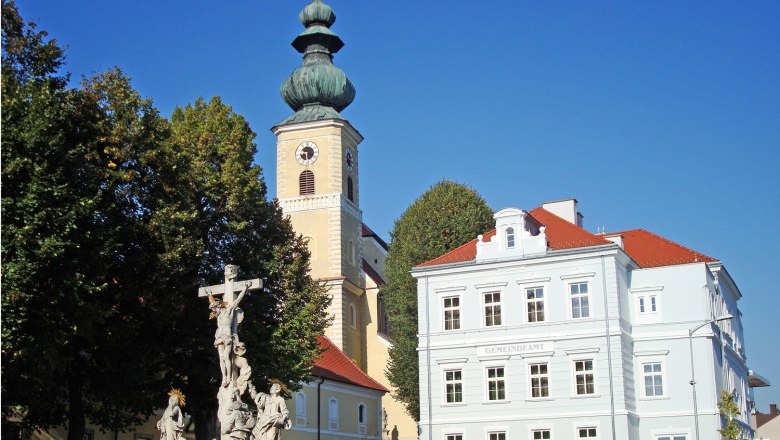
pixel 228 314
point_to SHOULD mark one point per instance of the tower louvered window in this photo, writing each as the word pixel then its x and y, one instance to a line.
pixel 306 183
pixel 350 191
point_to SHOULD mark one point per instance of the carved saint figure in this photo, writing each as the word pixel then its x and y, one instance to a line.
pixel 223 339
pixel 241 369
pixel 171 425
pixel 271 415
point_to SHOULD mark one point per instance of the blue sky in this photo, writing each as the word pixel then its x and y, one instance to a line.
pixel 660 115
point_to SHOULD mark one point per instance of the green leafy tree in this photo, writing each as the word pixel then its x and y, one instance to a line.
pixel 112 217
pixel 444 217
pixel 223 216
pixel 729 412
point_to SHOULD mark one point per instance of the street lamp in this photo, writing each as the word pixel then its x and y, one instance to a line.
pixel 693 373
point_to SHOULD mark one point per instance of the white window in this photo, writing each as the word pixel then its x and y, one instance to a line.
pixel 588 432
pixel 495 384
pixel 453 437
pixel 648 304
pixel 452 313
pixel 497 436
pixel 672 437
pixel 540 434
pixel 300 409
pixel 583 377
pixel 333 414
pixel 362 418
pixel 535 303
pixel 510 237
pixel 540 380
pixel 653 379
pixel 492 309
pixel 580 305
pixel 453 386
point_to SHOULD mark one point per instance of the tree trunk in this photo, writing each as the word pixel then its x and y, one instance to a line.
pixel 76 419
pixel 205 425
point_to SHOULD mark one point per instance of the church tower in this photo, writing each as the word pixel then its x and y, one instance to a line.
pixel 317 174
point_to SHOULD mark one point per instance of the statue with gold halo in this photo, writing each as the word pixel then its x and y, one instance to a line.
pixel 171 425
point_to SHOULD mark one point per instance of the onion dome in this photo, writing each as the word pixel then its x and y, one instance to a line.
pixel 317 89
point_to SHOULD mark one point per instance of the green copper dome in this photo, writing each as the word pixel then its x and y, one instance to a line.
pixel 317 85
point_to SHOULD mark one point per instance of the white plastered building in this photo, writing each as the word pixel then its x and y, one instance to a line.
pixel 542 330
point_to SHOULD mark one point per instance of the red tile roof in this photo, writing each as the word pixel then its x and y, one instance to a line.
pixel 646 248
pixel 650 250
pixel 335 365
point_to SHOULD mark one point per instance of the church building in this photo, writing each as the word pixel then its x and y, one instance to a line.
pixel 317 170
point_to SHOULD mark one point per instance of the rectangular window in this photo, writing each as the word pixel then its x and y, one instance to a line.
pixel 583 377
pixel 492 309
pixel 453 386
pixel 587 433
pixel 580 306
pixel 496 385
pixel 653 376
pixel 540 434
pixel 540 381
pixel 535 300
pixel 453 437
pixel 452 313
pixel 671 437
pixel 497 436
pixel 648 304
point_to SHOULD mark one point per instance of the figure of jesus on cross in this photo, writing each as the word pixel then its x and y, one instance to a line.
pixel 228 315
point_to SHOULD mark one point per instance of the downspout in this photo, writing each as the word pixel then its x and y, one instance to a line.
pixel 428 357
pixel 609 348
pixel 319 404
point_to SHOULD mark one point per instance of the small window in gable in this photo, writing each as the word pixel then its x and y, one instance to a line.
pixel 306 183
pixel 510 237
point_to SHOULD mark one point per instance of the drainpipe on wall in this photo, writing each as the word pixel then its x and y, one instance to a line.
pixel 428 358
pixel 322 379
pixel 609 348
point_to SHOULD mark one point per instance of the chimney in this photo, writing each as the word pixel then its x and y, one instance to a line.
pixel 773 408
pixel 565 209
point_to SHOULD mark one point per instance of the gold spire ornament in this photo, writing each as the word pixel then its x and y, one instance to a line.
pixel 175 392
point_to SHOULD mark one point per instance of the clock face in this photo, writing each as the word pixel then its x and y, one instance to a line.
pixel 349 159
pixel 307 153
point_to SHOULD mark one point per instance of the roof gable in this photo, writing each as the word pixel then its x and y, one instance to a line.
pixel 335 365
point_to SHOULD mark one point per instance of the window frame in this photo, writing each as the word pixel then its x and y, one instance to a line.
pixel 502 380
pixel 494 306
pixel 535 301
pixel 660 375
pixel 362 413
pixel 585 373
pixel 579 296
pixel 454 382
pixel 496 435
pixel 453 436
pixel 540 431
pixel 445 309
pixel 578 433
pixel 333 414
pixel 300 408
pixel 538 376
pixel 306 186
pixel 510 240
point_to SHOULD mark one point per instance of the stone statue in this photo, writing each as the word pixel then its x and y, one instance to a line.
pixel 242 372
pixel 226 334
pixel 171 425
pixel 385 428
pixel 272 415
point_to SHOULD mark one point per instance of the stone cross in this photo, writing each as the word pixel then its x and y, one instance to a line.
pixel 231 286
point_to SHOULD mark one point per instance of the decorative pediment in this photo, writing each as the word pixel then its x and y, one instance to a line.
pixel 517 235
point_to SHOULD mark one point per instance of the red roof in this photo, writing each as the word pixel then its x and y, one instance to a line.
pixel 646 248
pixel 650 250
pixel 335 365
pixel 367 232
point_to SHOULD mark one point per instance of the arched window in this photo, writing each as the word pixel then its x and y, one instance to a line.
pixel 333 414
pixel 350 191
pixel 382 314
pixel 300 409
pixel 306 183
pixel 352 316
pixel 351 252
pixel 362 418
pixel 510 237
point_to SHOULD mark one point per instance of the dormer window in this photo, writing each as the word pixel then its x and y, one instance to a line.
pixel 510 238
